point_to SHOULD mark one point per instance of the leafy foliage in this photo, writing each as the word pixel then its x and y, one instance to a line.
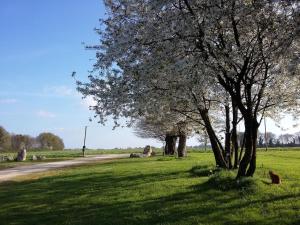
pixel 19 141
pixel 5 139
pixel 194 58
pixel 50 141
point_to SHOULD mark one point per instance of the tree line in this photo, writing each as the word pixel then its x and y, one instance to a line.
pixel 14 142
pixel 264 140
pixel 283 140
pixel 184 67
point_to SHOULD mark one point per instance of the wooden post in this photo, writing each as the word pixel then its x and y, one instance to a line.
pixel 83 147
pixel 205 141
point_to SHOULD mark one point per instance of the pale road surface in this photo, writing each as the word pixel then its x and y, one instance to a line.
pixel 9 174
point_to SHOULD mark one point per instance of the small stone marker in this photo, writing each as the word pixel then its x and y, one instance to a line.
pixel 41 157
pixel 10 158
pixel 135 155
pixel 147 151
pixel 21 155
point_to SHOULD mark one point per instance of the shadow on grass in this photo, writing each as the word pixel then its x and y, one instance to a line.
pixel 224 180
pixel 109 198
pixel 202 170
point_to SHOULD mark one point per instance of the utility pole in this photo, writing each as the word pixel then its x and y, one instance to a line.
pixel 205 139
pixel 266 143
pixel 83 148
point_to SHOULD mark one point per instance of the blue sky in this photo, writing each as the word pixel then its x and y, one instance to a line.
pixel 40 46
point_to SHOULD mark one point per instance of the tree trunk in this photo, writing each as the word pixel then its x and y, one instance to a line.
pixel 242 149
pixel 166 145
pixel 234 141
pixel 170 144
pixel 248 153
pixel 227 138
pixel 251 128
pixel 205 141
pixel 252 165
pixel 215 144
pixel 182 146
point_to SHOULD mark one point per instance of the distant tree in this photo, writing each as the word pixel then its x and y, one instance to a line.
pixel 20 141
pixel 278 144
pixel 166 128
pixel 286 139
pixel 153 127
pixel 270 138
pixel 271 142
pixel 50 141
pixel 266 139
pixel 260 140
pixel 202 137
pixel 5 139
pixel 297 138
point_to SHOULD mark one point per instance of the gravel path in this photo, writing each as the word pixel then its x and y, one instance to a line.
pixel 9 174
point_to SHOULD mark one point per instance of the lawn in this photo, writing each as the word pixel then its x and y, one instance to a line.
pixel 158 190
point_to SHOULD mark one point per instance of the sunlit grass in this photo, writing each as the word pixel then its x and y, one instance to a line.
pixel 159 190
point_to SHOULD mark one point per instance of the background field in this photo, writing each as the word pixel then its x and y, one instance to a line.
pixel 60 155
pixel 75 153
pixel 158 190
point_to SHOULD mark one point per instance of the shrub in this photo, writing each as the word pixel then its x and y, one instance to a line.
pixel 226 180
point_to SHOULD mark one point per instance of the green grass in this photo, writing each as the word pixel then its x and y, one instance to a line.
pixel 157 191
pixel 75 153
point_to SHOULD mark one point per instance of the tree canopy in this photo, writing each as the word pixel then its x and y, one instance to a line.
pixel 5 139
pixel 50 141
pixel 201 60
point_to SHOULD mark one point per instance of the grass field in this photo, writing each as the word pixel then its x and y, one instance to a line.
pixel 59 155
pixel 158 190
pixel 76 153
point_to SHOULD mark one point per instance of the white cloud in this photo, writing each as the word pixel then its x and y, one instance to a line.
pixel 8 101
pixel 59 90
pixel 45 114
pixel 285 125
pixel 47 91
pixel 58 129
pixel 28 55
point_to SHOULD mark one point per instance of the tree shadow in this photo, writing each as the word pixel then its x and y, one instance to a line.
pixel 203 170
pixel 108 198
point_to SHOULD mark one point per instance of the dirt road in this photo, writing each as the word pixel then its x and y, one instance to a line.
pixel 9 174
